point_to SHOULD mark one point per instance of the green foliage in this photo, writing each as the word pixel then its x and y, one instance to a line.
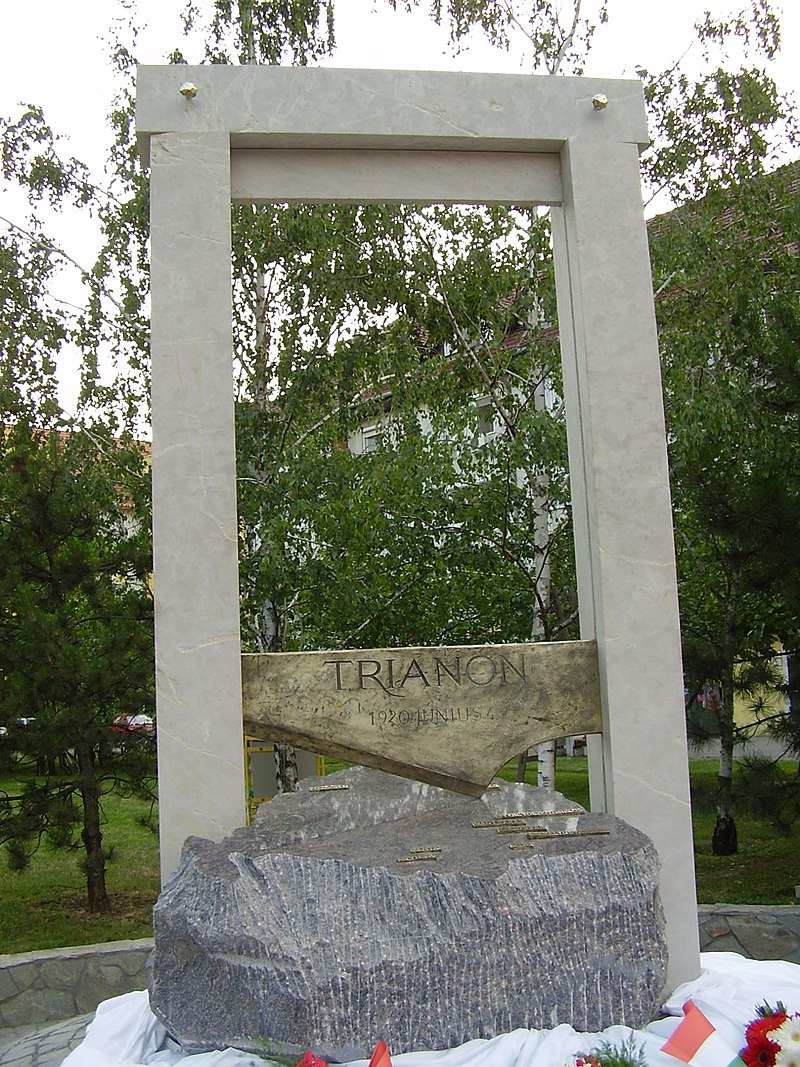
pixel 28 156
pixel 293 32
pixel 625 1054
pixel 402 320
pixel 75 636
pixel 31 334
pixel 726 125
pixel 727 313
pixel 109 333
pixel 770 791
pixel 555 36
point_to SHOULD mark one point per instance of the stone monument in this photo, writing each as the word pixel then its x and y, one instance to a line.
pixel 366 906
pixel 216 134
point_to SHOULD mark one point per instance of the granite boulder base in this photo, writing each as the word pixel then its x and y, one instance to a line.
pixel 321 927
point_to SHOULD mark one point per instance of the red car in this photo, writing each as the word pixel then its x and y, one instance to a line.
pixel 134 725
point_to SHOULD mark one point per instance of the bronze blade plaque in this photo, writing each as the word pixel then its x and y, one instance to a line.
pixel 447 716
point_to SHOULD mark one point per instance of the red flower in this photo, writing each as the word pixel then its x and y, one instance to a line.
pixel 310 1060
pixel 759 1050
pixel 761 1027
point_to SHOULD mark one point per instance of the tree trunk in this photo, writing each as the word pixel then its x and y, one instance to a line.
pixel 546 752
pixel 724 841
pixel 286 767
pixel 91 834
pixel 793 700
pixel 546 770
pixel 267 631
pixel 522 764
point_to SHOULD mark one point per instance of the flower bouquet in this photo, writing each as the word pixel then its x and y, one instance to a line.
pixel 773 1038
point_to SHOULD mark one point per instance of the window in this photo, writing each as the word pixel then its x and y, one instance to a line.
pixel 486 428
pixel 369 438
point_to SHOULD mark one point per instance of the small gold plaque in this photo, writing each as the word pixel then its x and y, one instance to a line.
pixel 549 814
pixel 493 824
pixel 551 835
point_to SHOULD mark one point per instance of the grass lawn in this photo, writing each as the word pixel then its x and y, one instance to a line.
pixel 766 868
pixel 44 907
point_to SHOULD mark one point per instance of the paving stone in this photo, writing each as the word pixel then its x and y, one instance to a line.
pixel 58 973
pixel 760 932
pixel 47 1047
pixel 791 921
pixel 728 943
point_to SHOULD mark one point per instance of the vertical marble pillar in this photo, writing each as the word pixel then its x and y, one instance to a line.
pixel 200 747
pixel 622 516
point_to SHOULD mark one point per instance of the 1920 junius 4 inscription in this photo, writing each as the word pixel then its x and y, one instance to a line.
pixel 447 716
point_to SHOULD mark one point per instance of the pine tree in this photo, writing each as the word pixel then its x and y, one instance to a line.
pixel 75 639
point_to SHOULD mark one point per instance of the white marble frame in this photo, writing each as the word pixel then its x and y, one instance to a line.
pixel 214 134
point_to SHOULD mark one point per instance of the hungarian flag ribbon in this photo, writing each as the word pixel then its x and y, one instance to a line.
pixel 380 1056
pixel 697 1041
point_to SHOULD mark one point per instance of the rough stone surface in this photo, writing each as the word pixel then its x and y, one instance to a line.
pixel 36 1046
pixel 305 931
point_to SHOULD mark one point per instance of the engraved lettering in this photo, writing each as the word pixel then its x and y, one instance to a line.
pixel 417 673
pixel 393 673
pixel 363 674
pixel 426 716
pixel 442 668
pixel 507 665
pixel 338 665
pixel 481 675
